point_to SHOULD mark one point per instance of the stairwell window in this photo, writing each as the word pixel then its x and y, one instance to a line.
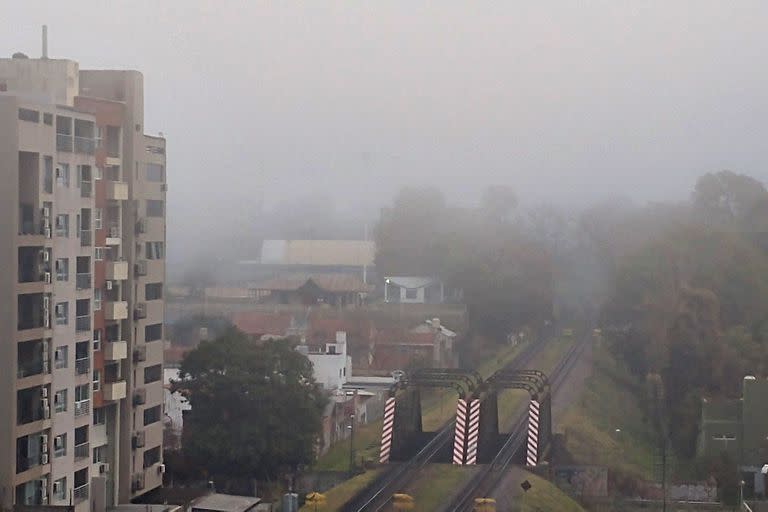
pixel 153 291
pixel 155 250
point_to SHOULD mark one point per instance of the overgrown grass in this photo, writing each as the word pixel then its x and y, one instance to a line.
pixel 436 484
pixel 607 425
pixel 337 496
pixel 544 495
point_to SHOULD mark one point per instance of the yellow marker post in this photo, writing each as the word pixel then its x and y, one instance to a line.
pixel 402 502
pixel 485 505
pixel 316 500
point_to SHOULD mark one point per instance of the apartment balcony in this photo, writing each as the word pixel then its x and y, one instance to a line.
pixel 85 145
pixel 82 408
pixel 82 451
pixel 83 323
pixel 117 190
pixel 80 494
pixel 115 350
pixel 64 142
pixel 86 189
pixel 112 391
pixel 117 310
pixel 30 368
pixel 116 270
pixel 113 235
pixel 83 365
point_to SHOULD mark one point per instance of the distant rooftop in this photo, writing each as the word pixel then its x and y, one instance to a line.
pixel 225 503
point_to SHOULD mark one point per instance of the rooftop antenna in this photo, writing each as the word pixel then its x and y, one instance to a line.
pixel 45 41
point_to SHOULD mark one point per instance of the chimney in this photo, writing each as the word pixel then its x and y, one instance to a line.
pixel 45 41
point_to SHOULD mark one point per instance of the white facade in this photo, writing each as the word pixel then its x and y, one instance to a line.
pixel 175 404
pixel 332 367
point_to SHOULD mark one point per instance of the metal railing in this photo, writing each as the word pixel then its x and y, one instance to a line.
pixel 86 189
pixel 82 451
pixel 82 408
pixel 64 142
pixel 114 231
pixel 83 365
pixel 85 145
pixel 83 281
pixel 80 493
pixel 83 323
pixel 86 238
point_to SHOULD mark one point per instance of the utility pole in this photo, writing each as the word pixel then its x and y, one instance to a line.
pixel 352 444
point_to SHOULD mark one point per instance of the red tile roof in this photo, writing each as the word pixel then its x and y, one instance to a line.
pixel 257 323
pixel 335 283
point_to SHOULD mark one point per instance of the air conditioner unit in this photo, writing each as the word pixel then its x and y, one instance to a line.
pixel 47 319
pixel 44 458
pixel 46 412
pixel 104 468
pixel 44 442
pixel 46 302
pixel 58 443
pixel 141 226
pixel 59 172
pixel 56 487
pixel 161 469
pixel 114 232
pixel 44 392
pixel 45 256
pixel 141 310
pixel 138 440
pixel 46 403
pixel 59 310
pixel 46 212
pixel 47 277
pixel 141 267
pixel 108 285
pixel 47 231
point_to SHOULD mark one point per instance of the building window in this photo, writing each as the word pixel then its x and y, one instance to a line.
pixel 82 393
pixel 153 373
pixel 97 213
pixel 155 173
pixel 48 118
pixel 97 299
pixel 62 313
pixel 151 456
pixel 62 175
pixel 155 250
pixel 62 269
pixel 411 293
pixel 99 454
pixel 153 291
pixel 62 225
pixel 33 116
pixel 96 380
pixel 151 415
pixel 100 416
pixel 60 400
pixel 60 487
pixel 155 208
pixel 61 357
pixel 48 175
pixel 96 340
pixel 153 332
pixel 60 445
pixel 98 253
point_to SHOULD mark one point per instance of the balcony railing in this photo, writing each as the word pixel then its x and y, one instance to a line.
pixel 28 368
pixel 29 412
pixel 83 365
pixel 83 323
pixel 86 188
pixel 86 239
pixel 85 145
pixel 80 494
pixel 82 408
pixel 83 281
pixel 82 451
pixel 64 142
pixel 25 463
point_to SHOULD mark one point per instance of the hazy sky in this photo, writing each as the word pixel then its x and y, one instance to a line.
pixel 568 100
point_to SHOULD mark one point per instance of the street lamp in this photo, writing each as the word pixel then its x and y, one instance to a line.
pixel 351 444
pixel 386 289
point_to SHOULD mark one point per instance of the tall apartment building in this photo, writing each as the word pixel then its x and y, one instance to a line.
pixel 82 246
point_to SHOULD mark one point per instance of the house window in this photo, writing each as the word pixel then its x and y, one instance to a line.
pixel 155 208
pixel 61 357
pixel 33 116
pixel 62 225
pixel 97 299
pixel 411 293
pixel 62 313
pixel 153 373
pixel 62 269
pixel 97 213
pixel 62 175
pixel 60 488
pixel 96 380
pixel 155 173
pixel 48 175
pixel 155 250
pixel 99 416
pixel 153 291
pixel 98 253
pixel 153 332
pixel 48 118
pixel 60 400
pixel 99 454
pixel 60 445
pixel 151 415
pixel 97 340
pixel 151 456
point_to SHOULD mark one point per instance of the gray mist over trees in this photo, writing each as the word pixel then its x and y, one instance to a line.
pixel 304 111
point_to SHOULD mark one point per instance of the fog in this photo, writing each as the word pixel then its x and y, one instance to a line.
pixel 568 102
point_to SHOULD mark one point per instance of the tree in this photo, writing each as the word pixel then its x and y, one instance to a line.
pixel 255 409
pixel 727 199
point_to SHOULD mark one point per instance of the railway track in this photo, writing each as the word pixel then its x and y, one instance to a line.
pixel 376 496
pixel 485 482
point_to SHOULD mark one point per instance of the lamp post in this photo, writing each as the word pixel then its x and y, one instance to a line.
pixel 351 444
